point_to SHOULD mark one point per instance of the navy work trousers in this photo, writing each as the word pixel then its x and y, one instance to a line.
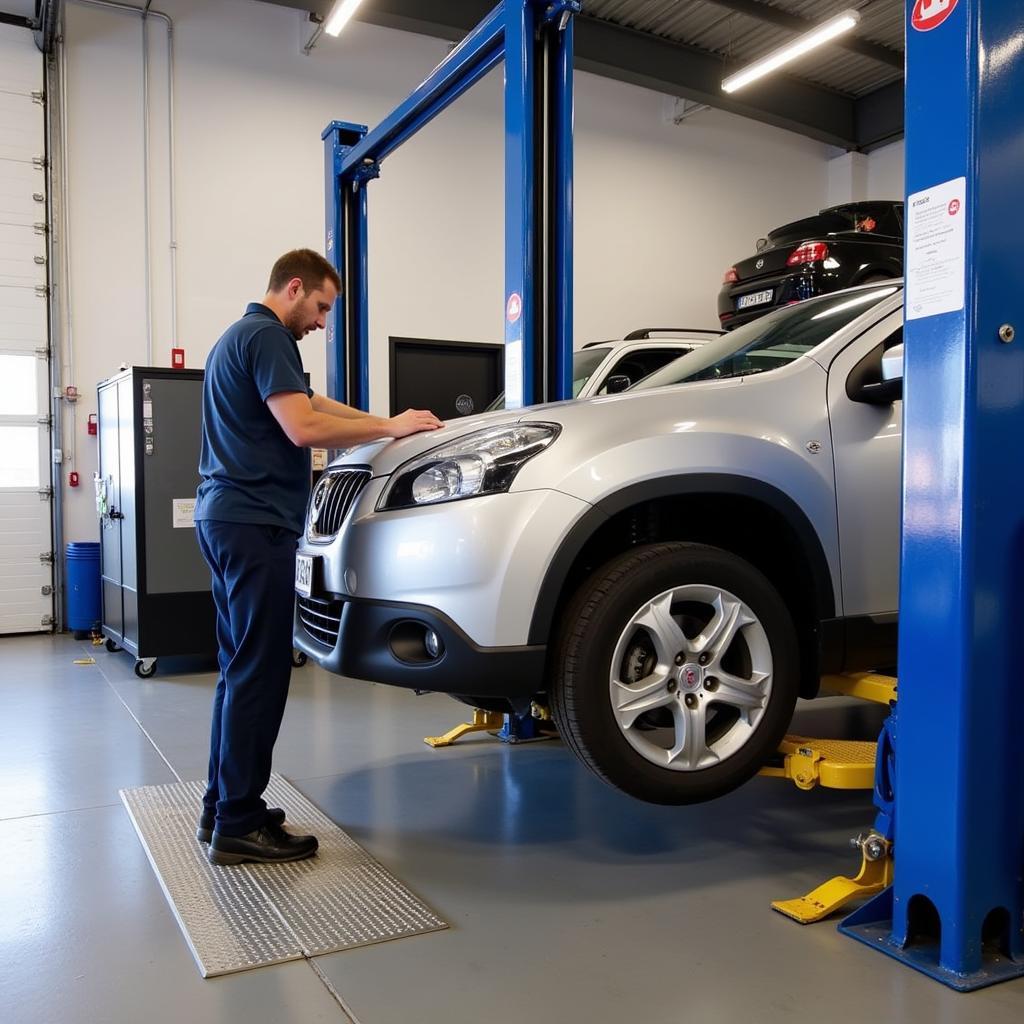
pixel 253 569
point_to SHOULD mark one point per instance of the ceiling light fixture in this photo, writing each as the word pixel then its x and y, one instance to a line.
pixel 341 14
pixel 824 33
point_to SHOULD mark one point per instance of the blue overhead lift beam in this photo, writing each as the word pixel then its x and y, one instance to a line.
pixel 534 38
pixel 956 907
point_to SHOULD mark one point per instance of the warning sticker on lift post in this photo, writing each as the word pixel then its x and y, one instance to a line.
pixel 936 249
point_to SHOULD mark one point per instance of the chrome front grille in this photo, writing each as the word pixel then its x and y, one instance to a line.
pixel 321 620
pixel 331 501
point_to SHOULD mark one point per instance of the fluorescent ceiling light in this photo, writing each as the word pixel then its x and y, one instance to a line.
pixel 341 14
pixel 825 32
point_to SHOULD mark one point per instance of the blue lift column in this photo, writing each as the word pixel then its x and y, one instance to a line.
pixel 348 378
pixel 956 908
pixel 538 200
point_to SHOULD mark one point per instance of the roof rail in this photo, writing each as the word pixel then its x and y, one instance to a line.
pixel 643 333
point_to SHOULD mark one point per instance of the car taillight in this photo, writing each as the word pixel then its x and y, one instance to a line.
pixel 809 252
pixel 731 277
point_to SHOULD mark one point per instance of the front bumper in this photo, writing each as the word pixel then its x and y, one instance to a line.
pixel 379 641
pixel 469 570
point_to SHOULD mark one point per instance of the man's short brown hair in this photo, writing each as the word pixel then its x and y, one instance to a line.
pixel 305 264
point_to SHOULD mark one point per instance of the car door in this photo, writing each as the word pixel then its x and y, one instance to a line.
pixel 867 443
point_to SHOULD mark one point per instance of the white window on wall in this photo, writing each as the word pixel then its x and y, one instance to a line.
pixel 26 539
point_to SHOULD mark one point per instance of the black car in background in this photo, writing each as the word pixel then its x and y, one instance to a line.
pixel 856 243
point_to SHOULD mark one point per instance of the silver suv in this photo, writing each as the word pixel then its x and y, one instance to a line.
pixel 667 569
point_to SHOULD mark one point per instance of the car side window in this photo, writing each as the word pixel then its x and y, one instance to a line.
pixel 639 364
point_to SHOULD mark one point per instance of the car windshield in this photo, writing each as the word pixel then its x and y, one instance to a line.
pixel 768 343
pixel 584 363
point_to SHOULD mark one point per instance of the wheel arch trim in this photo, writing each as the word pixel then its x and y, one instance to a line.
pixel 710 485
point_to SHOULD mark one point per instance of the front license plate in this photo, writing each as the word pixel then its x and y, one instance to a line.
pixel 304 575
pixel 754 299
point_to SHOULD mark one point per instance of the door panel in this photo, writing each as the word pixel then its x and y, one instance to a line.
pixel 867 442
pixel 109 488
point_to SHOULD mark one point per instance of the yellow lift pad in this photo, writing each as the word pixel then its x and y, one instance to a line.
pixel 834 764
pixel 483 721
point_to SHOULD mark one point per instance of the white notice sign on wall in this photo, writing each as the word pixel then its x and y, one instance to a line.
pixel 936 249
pixel 183 513
pixel 514 374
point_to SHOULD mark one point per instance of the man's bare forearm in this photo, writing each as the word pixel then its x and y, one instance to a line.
pixel 326 430
pixel 328 406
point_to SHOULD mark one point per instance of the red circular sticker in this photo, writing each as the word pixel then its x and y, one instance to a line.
pixel 954 207
pixel 514 309
pixel 929 14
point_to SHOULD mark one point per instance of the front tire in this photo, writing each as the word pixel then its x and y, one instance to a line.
pixel 677 672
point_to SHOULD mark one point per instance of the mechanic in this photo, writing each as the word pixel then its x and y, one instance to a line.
pixel 259 420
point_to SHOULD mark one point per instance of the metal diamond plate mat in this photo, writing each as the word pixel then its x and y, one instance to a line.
pixel 252 915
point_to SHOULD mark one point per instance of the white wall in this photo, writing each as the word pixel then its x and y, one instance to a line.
pixel 661 210
pixel 885 172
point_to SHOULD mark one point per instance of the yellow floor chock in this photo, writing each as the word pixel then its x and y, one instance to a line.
pixel 876 871
pixel 483 721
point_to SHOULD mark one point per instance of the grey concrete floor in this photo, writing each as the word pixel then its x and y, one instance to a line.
pixel 568 901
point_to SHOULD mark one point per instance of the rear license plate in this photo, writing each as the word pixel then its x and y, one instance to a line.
pixel 754 299
pixel 304 575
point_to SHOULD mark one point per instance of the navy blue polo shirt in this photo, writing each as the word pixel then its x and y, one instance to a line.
pixel 251 472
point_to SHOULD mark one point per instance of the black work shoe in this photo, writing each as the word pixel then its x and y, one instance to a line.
pixel 267 845
pixel 204 833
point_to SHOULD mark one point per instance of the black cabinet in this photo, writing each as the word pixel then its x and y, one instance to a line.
pixel 156 586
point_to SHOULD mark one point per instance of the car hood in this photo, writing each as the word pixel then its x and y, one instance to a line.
pixel 385 456
pixel 588 417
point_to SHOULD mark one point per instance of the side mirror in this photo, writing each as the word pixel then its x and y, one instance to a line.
pixel 760 244
pixel 892 364
pixel 617 382
pixel 879 392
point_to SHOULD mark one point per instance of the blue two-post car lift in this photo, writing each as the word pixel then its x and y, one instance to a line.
pixel 534 39
pixel 955 909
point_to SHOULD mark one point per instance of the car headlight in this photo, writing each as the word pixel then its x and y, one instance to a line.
pixel 484 462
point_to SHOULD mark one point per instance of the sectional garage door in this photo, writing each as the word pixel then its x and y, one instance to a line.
pixel 26 573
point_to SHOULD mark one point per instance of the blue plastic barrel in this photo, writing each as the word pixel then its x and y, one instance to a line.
pixel 83 586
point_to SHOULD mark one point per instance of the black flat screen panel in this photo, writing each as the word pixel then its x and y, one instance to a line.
pixel 450 378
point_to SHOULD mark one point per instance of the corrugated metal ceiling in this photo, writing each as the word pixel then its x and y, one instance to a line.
pixel 740 37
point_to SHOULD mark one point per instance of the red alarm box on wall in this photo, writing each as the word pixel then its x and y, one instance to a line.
pixel 177 359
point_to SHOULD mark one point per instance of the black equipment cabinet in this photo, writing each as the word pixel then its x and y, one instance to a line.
pixel 156 586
